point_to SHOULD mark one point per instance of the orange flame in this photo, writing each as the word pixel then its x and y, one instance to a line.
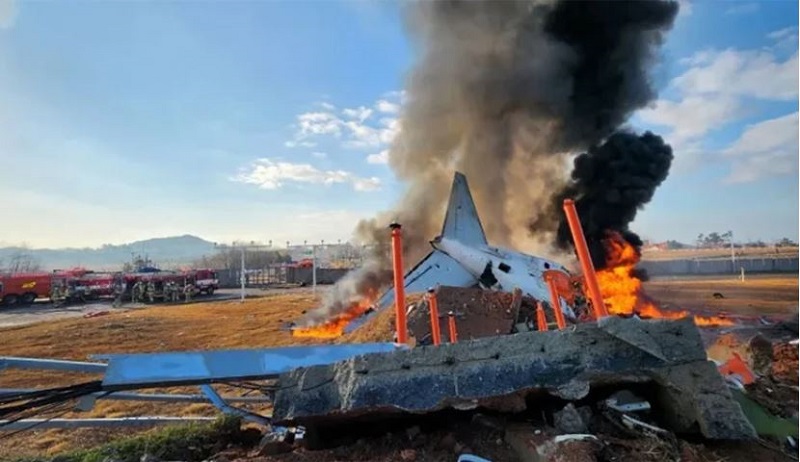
pixel 335 327
pixel 622 291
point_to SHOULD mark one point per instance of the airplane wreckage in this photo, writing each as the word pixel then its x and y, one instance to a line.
pixel 318 388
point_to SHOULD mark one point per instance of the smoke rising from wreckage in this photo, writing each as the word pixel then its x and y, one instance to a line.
pixel 504 92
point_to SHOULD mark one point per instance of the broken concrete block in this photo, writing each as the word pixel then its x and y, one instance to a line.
pixel 568 420
pixel 503 370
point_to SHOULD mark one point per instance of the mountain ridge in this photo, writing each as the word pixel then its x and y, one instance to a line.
pixel 163 251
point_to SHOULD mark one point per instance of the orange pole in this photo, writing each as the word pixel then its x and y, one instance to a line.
pixel 451 321
pixel 436 332
pixel 399 283
pixel 585 259
pixel 555 301
pixel 541 320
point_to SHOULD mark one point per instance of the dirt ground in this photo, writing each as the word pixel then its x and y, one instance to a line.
pixel 757 296
pixel 258 323
pixel 43 310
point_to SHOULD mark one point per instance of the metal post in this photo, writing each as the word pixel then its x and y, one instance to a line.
pixel 451 324
pixel 582 249
pixel 556 302
pixel 399 283
pixel 314 268
pixel 733 253
pixel 541 319
pixel 433 306
pixel 242 275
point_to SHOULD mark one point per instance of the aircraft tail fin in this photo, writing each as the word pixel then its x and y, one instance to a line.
pixel 462 222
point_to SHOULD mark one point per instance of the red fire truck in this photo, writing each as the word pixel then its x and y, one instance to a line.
pixel 204 280
pixel 24 288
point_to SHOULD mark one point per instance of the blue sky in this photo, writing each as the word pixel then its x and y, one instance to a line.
pixel 270 120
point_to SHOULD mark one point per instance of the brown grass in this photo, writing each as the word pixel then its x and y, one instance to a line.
pixel 252 324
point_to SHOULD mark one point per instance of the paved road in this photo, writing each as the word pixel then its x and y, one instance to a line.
pixel 45 311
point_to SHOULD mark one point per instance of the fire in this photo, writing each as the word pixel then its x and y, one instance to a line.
pixel 622 291
pixel 335 326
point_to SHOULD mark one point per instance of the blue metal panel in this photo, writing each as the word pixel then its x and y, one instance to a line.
pixel 41 424
pixel 199 367
pixel 220 404
pixel 12 362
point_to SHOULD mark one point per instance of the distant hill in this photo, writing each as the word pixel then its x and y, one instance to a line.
pixel 166 251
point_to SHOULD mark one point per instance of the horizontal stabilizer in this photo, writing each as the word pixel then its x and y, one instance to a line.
pixel 435 269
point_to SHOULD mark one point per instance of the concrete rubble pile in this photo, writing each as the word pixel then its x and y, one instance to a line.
pixel 479 313
pixel 580 370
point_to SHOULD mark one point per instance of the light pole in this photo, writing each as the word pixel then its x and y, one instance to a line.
pixel 241 274
pixel 314 269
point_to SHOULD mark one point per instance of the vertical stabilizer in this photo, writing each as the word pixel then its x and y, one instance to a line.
pixel 462 222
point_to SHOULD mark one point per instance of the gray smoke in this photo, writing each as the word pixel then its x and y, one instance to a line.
pixel 503 92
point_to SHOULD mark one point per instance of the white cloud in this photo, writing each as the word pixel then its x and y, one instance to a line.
pixel 743 8
pixel 360 113
pixel 785 38
pixel 356 128
pixel 302 144
pixel 367 184
pixel 684 8
pixel 318 123
pixel 8 13
pixel 693 116
pixel 387 107
pixel 270 174
pixel 747 73
pixel 715 91
pixel 764 149
pixel 327 106
pixel 379 158
pixel 319 155
pixel 780 34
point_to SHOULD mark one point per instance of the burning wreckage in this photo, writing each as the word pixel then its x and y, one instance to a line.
pixel 502 90
pixel 577 351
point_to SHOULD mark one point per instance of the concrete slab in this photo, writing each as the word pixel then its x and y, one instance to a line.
pixel 501 372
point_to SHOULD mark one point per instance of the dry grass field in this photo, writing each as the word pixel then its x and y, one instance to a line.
pixel 257 323
pixel 252 324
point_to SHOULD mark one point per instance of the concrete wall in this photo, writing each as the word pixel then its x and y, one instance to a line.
pixel 712 267
pixel 230 278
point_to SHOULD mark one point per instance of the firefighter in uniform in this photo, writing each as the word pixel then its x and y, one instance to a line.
pixel 119 291
pixel 55 294
pixel 151 291
pixel 171 292
pixel 136 292
pixel 187 292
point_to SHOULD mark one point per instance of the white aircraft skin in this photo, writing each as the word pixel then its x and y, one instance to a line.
pixel 525 271
pixel 462 257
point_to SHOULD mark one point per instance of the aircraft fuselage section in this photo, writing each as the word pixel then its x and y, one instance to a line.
pixel 501 269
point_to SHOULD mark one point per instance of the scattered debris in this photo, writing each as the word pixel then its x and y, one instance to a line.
pixel 625 401
pixel 569 420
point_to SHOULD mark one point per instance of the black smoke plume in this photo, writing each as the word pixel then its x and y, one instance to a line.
pixel 609 184
pixel 502 91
